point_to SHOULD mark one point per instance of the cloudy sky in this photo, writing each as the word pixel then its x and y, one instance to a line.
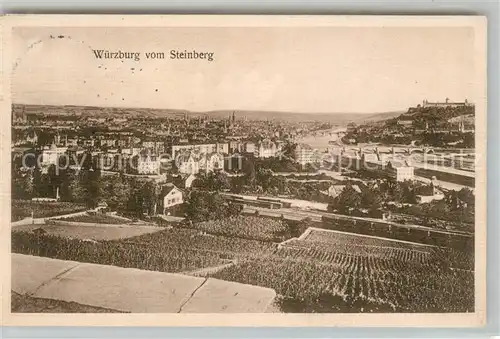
pixel 323 69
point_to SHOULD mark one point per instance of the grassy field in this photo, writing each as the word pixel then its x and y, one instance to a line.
pixel 95 218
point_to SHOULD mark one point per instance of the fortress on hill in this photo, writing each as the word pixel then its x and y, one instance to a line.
pixel 446 103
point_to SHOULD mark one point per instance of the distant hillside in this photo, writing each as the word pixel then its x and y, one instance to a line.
pixel 91 110
pixel 435 116
pixel 334 117
pixel 376 117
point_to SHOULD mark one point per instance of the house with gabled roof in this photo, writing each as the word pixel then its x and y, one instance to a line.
pixel 170 198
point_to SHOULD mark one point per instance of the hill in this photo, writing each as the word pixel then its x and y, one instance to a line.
pixel 437 116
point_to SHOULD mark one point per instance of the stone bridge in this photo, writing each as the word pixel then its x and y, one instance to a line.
pixel 407 150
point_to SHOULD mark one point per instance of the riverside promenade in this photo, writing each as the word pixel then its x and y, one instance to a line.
pixel 133 290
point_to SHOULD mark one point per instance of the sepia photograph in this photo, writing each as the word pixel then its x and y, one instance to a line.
pixel 308 167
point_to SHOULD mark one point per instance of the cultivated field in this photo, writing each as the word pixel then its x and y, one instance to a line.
pixel 88 232
pixel 247 227
pixel 325 271
pixel 168 250
pixel 335 272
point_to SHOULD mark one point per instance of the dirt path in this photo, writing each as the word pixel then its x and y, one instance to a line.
pixel 209 270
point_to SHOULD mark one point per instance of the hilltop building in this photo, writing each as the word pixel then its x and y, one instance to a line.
pixel 446 103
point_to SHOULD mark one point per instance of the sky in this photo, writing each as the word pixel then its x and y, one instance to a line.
pixel 307 70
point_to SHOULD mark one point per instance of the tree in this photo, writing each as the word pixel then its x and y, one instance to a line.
pixel 197 206
pixel 135 200
pixel 116 191
pixel 22 184
pixel 44 138
pixel 250 173
pixel 212 181
pixel 288 150
pixel 452 200
pixel 279 183
pixel 347 200
pixel 407 193
pixel 221 181
pixel 90 182
pixel 466 195
pixel 150 193
pixel 203 205
pixel 370 199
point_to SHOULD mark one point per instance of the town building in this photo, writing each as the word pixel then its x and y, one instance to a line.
pixel 155 146
pixel 172 197
pixel 108 142
pixel 351 127
pixel 249 147
pixel 212 162
pixel 303 154
pixel 192 162
pixel 236 146
pixel 266 149
pixel 201 148
pixel 146 164
pixel 124 142
pixel 187 163
pixel 50 155
pixel 400 170
pixel 71 142
pixel 89 142
pixel 32 137
pixel 405 122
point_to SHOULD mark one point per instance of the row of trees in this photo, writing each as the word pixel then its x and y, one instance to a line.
pixel 261 182
pixel 87 186
pixel 375 195
pixel 457 207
